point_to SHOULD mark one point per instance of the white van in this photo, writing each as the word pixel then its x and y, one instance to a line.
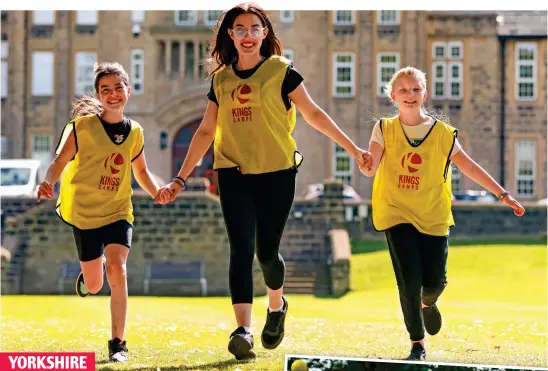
pixel 20 178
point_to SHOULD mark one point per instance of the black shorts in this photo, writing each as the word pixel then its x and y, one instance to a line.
pixel 91 242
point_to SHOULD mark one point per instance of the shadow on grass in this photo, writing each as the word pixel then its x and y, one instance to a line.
pixel 227 364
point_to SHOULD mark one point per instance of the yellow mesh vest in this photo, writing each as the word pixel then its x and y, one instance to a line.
pixel 413 184
pixel 96 184
pixel 253 125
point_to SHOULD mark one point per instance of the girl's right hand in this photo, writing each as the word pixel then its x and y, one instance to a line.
pixel 45 190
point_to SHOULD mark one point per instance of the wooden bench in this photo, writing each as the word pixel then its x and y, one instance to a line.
pixel 179 274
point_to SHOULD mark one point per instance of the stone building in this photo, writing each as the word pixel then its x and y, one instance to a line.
pixel 486 71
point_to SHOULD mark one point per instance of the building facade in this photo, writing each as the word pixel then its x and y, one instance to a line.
pixel 486 71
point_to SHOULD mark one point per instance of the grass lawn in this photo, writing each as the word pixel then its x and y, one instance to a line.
pixel 494 311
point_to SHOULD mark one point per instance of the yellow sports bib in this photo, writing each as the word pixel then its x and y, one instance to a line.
pixel 96 184
pixel 253 125
pixel 413 183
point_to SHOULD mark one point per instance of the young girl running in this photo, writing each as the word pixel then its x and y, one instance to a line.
pixel 251 116
pixel 410 156
pixel 96 154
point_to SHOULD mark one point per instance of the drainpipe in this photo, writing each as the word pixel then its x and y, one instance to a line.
pixel 502 40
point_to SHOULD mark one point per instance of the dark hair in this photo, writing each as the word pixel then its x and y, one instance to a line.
pixel 223 51
pixel 88 104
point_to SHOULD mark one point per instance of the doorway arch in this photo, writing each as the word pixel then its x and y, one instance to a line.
pixel 181 145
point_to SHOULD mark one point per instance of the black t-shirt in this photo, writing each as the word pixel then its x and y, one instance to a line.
pixel 117 132
pixel 291 81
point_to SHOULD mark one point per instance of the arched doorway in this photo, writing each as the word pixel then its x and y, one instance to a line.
pixel 181 144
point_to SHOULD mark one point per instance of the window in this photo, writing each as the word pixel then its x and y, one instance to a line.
pixel 343 165
pixel 87 17
pixel 287 16
pixel 447 70
pixel 43 17
pixel 137 77
pixel 388 17
pixel 175 57
pixel 5 54
pixel 289 54
pixel 212 16
pixel 343 75
pixel 387 65
pixel 189 59
pixel 84 72
pixel 526 71
pixel 186 17
pixel 526 151
pixel 42 73
pixel 4 145
pixel 41 143
pixel 41 150
pixel 344 17
pixel 137 16
pixel 456 185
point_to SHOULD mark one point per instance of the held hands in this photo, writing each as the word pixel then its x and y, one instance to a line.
pixel 45 190
pixel 364 159
pixel 510 201
pixel 167 193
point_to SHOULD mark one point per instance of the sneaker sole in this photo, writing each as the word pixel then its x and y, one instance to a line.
pixel 276 344
pixel 77 286
pixel 433 325
pixel 240 348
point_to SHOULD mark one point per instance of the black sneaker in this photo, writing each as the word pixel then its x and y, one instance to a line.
pixel 241 344
pixel 81 289
pixel 432 319
pixel 273 331
pixel 117 350
pixel 417 353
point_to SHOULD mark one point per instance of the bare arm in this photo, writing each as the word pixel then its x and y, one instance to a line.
pixel 143 176
pixel 321 121
pixel 376 152
pixel 475 172
pixel 67 153
pixel 201 141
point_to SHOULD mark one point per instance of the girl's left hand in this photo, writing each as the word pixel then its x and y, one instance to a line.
pixel 510 201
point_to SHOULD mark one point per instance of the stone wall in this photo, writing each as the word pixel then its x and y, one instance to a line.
pixel 189 229
pixel 472 220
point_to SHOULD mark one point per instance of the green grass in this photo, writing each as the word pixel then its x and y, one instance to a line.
pixel 494 311
pixel 367 246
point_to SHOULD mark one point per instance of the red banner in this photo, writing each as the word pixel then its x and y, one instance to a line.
pixel 47 361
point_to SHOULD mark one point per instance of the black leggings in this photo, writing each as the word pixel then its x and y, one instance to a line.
pixel 420 265
pixel 255 208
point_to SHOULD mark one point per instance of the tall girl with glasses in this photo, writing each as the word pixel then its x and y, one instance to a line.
pixel 251 116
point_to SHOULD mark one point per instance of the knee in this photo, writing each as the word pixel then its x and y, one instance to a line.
pixel 431 294
pixel 267 260
pixel 116 270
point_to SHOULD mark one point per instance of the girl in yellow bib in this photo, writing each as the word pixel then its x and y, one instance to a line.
pixel 410 156
pixel 251 115
pixel 97 151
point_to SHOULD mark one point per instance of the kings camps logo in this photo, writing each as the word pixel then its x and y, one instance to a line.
pixel 241 95
pixel 411 163
pixel 112 164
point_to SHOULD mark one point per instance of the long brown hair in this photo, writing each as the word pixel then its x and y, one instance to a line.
pixel 223 51
pixel 88 104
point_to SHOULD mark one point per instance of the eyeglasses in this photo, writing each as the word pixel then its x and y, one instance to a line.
pixel 254 32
